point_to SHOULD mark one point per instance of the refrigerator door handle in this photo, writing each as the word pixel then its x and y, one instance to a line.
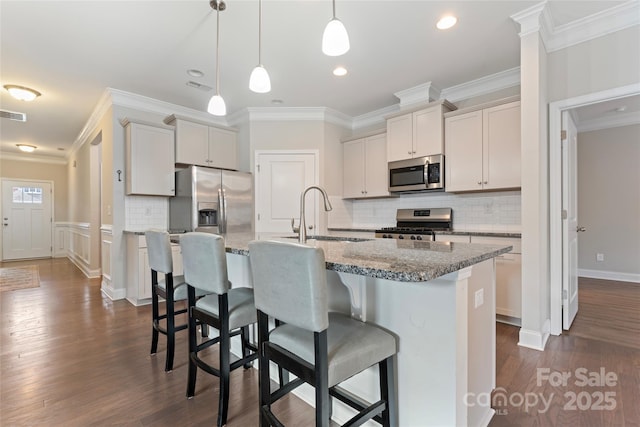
pixel 222 202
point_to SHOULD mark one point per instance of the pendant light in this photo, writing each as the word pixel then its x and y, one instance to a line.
pixel 259 81
pixel 335 40
pixel 216 105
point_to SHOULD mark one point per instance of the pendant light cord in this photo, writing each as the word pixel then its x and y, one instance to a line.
pixel 217 47
pixel 334 9
pixel 260 32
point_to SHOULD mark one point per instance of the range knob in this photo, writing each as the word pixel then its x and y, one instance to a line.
pixel 413 237
pixel 419 238
pixel 401 237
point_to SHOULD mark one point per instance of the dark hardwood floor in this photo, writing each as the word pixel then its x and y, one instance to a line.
pixel 71 357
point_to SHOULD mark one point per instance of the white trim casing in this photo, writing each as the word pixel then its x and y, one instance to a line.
pixel 555 189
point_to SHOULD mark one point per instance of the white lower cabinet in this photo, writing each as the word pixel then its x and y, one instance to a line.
pixel 508 271
pixel 138 271
pixel 508 276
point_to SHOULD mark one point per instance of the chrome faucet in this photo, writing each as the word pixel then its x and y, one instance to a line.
pixel 302 235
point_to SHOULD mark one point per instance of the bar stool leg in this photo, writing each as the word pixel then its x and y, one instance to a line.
pixel 387 392
pixel 155 315
pixel 171 327
pixel 193 369
pixel 225 364
pixel 323 402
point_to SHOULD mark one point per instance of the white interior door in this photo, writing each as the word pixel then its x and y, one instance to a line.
pixel 26 219
pixel 280 179
pixel 570 227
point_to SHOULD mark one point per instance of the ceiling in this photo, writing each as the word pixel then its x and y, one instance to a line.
pixel 70 51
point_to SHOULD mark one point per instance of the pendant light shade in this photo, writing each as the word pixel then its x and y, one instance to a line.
pixel 259 81
pixel 335 40
pixel 216 105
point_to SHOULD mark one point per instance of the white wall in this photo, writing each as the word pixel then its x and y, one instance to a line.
pixel 609 202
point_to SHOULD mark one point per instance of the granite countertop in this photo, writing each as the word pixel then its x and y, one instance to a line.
pixel 399 260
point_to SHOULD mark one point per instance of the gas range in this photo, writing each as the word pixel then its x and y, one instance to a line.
pixel 418 224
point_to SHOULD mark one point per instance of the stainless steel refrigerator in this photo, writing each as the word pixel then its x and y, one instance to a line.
pixel 212 200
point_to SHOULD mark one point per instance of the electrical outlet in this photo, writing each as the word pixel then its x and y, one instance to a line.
pixel 479 298
pixel 599 257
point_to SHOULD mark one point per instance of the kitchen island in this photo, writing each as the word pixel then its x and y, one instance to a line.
pixel 437 298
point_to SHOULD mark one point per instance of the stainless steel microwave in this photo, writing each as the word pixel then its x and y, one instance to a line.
pixel 418 174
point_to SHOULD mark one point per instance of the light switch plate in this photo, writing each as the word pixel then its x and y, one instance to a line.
pixel 479 298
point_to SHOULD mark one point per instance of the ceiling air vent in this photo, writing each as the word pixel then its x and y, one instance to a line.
pixel 19 117
pixel 197 85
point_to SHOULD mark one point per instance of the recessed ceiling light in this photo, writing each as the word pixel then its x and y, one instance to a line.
pixel 22 93
pixel 195 73
pixel 26 148
pixel 340 71
pixel 60 149
pixel 446 22
pixel 621 109
pixel 277 101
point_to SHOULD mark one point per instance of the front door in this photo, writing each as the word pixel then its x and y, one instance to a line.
pixel 280 179
pixel 570 227
pixel 26 219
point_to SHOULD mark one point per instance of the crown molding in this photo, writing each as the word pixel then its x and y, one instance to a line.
pixel 6 155
pixel 538 18
pixel 268 114
pixel 374 118
pixel 608 122
pixel 151 105
pixel 103 105
pixel 487 84
pixel 421 94
pixel 599 24
pixel 529 19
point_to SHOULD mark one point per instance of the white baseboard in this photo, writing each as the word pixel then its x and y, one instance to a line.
pixel 609 275
pixel 91 274
pixel 111 293
pixel 536 340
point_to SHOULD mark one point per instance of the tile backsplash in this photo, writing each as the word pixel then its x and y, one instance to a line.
pixel 144 212
pixel 491 211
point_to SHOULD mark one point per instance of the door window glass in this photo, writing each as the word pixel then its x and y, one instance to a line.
pixel 27 195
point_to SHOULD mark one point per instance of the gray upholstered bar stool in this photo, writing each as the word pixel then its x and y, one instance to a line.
pixel 320 348
pixel 171 288
pixel 230 311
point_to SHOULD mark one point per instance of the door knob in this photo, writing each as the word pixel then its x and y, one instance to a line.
pixel 579 229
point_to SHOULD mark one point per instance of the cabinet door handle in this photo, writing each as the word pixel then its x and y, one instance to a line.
pixel 479 182
pixel 408 152
pixel 413 152
pixel 486 182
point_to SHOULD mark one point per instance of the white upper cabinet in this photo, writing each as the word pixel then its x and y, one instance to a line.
pixel 417 133
pixel 203 145
pixel 192 143
pixel 149 159
pixel 482 148
pixel 365 167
